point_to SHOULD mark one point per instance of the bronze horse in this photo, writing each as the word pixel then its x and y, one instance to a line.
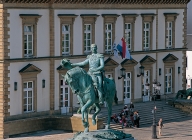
pixel 81 84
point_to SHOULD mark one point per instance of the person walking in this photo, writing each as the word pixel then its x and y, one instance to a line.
pixel 135 119
pixel 160 124
pixel 132 119
pixel 125 109
pixel 131 107
pixel 123 120
pixel 138 119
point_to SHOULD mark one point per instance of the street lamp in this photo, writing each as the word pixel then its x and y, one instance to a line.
pixel 147 86
pixel 156 87
pixel 141 71
pixel 122 73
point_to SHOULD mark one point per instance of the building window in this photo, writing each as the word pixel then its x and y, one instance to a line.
pixel 186 62
pixel 169 36
pixel 128 35
pixel 65 94
pixel 146 79
pixel 66 33
pixel 127 85
pixel 65 39
pixel 29 35
pixel 129 25
pixel 168 80
pixel 28 96
pixel 147 31
pixel 88 31
pixel 146 36
pixel 109 31
pixel 108 38
pixel 29 87
pixel 170 19
pixel 28 40
pixel 64 97
pixel 87 38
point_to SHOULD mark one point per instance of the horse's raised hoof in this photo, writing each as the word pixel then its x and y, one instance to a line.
pixel 107 126
pixel 86 130
pixel 93 121
pixel 85 124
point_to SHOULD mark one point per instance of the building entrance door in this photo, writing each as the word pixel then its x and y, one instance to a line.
pixel 127 88
pixel 146 79
pixel 168 81
pixel 65 97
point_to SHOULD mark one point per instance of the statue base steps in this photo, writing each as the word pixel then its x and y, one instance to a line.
pixel 103 134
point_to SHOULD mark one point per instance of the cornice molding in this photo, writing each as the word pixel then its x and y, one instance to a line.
pixel 84 56
pixel 99 1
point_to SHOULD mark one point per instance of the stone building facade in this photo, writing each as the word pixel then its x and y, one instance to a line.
pixel 189 46
pixel 36 35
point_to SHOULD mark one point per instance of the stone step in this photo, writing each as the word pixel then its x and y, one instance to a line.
pixel 164 111
pixel 147 113
pixel 140 108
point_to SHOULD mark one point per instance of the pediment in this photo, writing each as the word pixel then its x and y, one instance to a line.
pixel 110 62
pixel 129 62
pixel 147 60
pixel 30 68
pixel 170 58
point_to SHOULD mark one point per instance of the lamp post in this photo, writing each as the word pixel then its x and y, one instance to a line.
pixel 156 87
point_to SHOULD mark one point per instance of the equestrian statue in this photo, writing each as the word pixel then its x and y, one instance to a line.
pixel 91 87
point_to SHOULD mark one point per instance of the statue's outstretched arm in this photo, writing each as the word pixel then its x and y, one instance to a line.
pixel 81 63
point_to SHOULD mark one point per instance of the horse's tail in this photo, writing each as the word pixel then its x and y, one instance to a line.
pixel 115 97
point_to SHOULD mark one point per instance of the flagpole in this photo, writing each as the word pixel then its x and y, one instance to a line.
pixel 111 54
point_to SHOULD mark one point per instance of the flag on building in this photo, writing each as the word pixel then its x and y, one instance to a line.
pixel 121 49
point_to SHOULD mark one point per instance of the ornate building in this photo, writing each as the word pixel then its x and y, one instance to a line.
pixel 37 34
pixel 189 46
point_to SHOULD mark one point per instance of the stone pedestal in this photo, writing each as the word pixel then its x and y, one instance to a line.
pixel 77 125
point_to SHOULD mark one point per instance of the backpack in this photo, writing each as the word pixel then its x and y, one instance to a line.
pixel 138 118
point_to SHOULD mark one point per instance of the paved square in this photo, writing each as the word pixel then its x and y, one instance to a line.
pixel 174 130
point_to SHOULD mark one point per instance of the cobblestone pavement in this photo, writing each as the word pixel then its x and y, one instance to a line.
pixel 174 130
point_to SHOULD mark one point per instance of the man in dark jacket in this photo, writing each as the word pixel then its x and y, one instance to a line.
pixel 131 107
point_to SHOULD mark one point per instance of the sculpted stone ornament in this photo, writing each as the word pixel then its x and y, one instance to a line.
pixel 184 93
